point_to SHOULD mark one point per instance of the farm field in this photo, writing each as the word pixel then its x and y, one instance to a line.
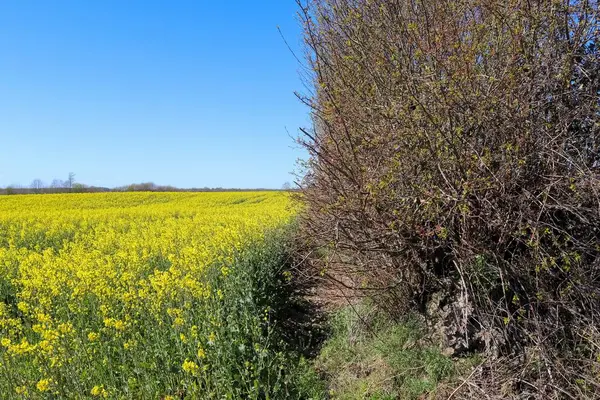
pixel 142 295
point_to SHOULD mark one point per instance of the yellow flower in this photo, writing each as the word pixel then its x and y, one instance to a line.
pixel 99 391
pixel 119 325
pixel 65 328
pixel 21 390
pixel 22 348
pixel 43 385
pixel 114 323
pixel 93 336
pixel 22 306
pixel 190 367
pixel 45 346
pixel 201 353
pixel 211 338
pixel 5 342
pixel 44 318
pixel 194 331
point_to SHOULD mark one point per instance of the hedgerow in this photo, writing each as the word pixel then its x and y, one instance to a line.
pixel 455 157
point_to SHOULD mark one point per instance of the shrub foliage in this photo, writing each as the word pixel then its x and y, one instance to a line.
pixel 455 149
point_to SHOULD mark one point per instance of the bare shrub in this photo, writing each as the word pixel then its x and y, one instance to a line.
pixel 456 150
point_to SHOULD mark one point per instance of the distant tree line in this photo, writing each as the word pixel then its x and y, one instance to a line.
pixel 38 186
pixel 69 185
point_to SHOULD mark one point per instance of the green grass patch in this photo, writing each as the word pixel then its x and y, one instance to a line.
pixel 369 356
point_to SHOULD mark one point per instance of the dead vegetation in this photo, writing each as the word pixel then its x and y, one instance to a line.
pixel 454 170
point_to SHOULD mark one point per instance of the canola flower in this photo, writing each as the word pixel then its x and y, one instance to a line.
pixel 190 367
pixel 118 291
pixel 43 385
pixel 99 391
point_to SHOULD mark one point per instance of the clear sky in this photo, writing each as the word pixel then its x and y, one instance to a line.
pixel 188 93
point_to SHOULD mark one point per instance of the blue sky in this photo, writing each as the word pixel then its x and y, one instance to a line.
pixel 187 93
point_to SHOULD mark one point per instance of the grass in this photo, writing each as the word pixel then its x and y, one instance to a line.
pixel 369 356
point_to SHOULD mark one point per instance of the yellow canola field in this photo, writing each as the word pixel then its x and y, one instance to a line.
pixel 86 279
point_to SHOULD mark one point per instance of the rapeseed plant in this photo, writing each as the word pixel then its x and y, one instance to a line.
pixel 143 295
